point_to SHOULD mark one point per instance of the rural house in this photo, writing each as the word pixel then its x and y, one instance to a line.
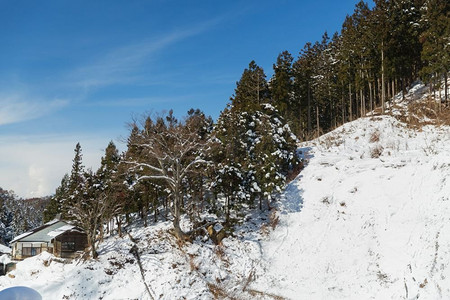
pixel 57 237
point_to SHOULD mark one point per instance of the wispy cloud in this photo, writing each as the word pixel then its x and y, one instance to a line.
pixel 121 65
pixel 18 107
pixel 140 101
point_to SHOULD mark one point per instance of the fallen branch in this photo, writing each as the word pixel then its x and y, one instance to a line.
pixel 135 251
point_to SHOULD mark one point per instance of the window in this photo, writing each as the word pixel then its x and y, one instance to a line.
pixel 31 251
pixel 67 246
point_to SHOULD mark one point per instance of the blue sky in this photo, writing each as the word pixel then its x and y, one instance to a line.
pixel 78 71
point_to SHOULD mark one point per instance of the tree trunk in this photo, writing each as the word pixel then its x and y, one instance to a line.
pixel 180 234
pixel 446 87
pixel 342 108
pixel 393 92
pixel 440 99
pixel 357 103
pixel 350 113
pixel 155 206
pixel 177 199
pixel 91 243
pixel 227 208
pixel 102 233
pixel 309 110
pixel 317 120
pixel 383 100
pixel 119 225
pixel 371 97
pixel 363 103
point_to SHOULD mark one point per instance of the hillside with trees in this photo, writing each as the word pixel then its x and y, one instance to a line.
pixel 19 215
pixel 192 166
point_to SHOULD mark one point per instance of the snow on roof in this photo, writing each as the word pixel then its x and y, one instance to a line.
pixel 52 222
pixel 40 234
pixel 4 249
pixel 4 259
pixel 60 230
pixel 21 236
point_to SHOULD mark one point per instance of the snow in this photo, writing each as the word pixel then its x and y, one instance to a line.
pixel 367 218
pixel 21 236
pixel 358 227
pixel 60 230
pixel 4 249
pixel 54 221
pixel 4 259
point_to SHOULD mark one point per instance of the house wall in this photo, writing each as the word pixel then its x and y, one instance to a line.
pixel 67 244
pixel 22 250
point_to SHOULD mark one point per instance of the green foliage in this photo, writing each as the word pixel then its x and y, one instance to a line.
pixel 251 90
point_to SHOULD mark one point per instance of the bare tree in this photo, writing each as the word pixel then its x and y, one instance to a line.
pixel 167 150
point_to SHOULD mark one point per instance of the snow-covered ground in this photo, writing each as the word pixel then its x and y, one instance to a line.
pixel 375 217
pixel 170 270
pixel 368 218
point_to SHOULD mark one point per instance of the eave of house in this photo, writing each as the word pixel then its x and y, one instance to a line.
pixel 40 234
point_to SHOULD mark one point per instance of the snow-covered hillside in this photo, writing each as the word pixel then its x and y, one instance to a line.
pixel 368 218
pixel 375 216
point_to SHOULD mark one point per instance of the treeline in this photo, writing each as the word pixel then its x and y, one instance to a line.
pixel 189 167
pixel 194 167
pixel 379 52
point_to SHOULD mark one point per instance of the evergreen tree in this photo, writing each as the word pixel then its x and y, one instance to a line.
pixel 251 90
pixel 55 205
pixel 281 86
pixel 76 184
pixel 248 168
pixel 6 217
pixel 434 38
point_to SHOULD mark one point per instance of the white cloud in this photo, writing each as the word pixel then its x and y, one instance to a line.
pixel 34 166
pixel 119 65
pixel 17 108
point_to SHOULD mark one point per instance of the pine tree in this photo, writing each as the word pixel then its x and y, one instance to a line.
pixel 55 205
pixel 75 186
pixel 434 38
pixel 6 217
pixel 251 90
pixel 281 86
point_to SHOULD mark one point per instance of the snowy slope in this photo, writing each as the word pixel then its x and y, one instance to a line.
pixel 375 217
pixel 171 270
